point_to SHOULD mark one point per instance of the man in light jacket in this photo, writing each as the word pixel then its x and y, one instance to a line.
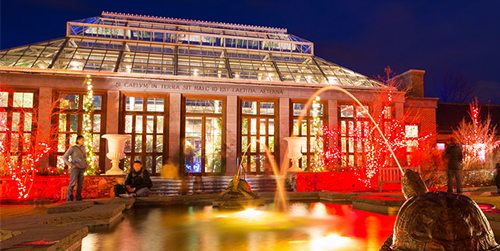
pixel 76 159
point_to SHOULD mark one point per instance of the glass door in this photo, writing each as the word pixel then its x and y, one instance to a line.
pixel 203 151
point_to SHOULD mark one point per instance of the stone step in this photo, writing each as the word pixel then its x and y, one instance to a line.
pixel 209 184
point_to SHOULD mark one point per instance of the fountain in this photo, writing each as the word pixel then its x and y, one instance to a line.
pixel 116 147
pixel 238 194
pixel 426 221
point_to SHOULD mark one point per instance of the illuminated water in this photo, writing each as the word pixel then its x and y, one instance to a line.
pixel 306 226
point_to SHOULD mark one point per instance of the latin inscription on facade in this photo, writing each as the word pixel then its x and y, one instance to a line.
pixel 184 87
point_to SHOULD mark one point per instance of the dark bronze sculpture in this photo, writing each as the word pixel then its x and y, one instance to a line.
pixel 238 194
pixel 438 221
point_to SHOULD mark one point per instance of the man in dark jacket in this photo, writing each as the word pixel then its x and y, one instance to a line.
pixel 454 156
pixel 138 183
pixel 76 159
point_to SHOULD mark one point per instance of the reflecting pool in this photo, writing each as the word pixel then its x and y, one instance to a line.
pixel 306 226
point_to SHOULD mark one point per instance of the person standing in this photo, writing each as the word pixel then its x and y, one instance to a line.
pixel 76 159
pixel 454 156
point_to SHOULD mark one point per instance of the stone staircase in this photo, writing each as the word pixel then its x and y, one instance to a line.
pixel 209 184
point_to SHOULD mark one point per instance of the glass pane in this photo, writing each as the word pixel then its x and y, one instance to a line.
pixel 72 138
pixel 69 101
pixel 159 163
pixel 295 127
pixel 244 126
pixel 244 144
pixel 138 143
pixel 351 144
pixel 28 121
pixel 149 164
pixel 270 126
pixel 96 142
pixel 213 144
pixel 249 107
pixel 271 143
pixel 73 122
pixel 387 112
pixel 267 108
pixel 14 142
pixel 411 131
pixel 128 123
pixel 97 123
pixel 343 144
pixel 159 124
pixel 3 120
pixel 203 106
pixel 362 111
pixel 60 162
pixel 262 126
pixel 97 102
pixel 159 143
pixel 346 111
pixel 156 104
pixel 128 147
pixel 262 146
pixel 253 144
pixel 149 124
pixel 253 126
pixel 192 145
pixel 28 100
pixel 138 124
pixel 61 143
pixel 303 130
pixel 297 108
pixel 4 99
pixel 133 104
pixel 16 119
pixel 149 143
pixel 343 127
pixel 62 122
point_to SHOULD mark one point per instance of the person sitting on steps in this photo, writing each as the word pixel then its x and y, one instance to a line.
pixel 138 183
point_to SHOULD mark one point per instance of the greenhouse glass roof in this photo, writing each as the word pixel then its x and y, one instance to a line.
pixel 135 44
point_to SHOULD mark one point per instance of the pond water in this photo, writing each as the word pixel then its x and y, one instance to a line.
pixel 306 226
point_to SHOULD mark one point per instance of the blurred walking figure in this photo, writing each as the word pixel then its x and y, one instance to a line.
pixel 453 154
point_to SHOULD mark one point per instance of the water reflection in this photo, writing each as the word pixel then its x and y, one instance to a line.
pixel 307 226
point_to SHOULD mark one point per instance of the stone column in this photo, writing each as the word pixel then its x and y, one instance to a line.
pixel 284 127
pixel 231 135
pixel 44 119
pixel 333 114
pixel 174 128
pixel 112 119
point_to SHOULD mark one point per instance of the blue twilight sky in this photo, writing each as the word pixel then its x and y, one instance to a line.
pixel 452 40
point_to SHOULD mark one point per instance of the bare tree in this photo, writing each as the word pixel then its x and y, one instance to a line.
pixel 456 88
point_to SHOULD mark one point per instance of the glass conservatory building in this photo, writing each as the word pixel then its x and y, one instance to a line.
pixel 194 93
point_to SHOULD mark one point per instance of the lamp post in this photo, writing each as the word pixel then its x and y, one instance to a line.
pixel 116 148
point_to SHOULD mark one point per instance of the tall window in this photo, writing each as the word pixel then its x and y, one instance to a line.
pixel 145 121
pixel 16 122
pixel 70 121
pixel 354 132
pixel 411 134
pixel 258 132
pixel 306 129
pixel 203 141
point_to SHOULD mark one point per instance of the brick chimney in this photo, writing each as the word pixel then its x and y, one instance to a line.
pixel 411 81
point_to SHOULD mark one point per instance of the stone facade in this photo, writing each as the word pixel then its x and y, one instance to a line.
pixel 114 85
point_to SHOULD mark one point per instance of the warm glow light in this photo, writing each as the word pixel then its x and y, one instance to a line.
pixel 250 213
pixel 319 210
pixel 333 242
